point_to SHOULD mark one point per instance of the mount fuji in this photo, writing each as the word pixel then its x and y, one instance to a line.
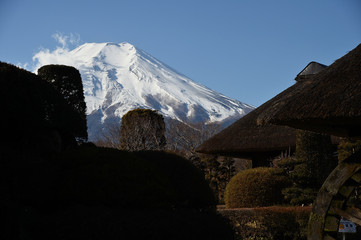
pixel 120 77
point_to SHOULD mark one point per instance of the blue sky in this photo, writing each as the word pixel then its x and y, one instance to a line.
pixel 246 49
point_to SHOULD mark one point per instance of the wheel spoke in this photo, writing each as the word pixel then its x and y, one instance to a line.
pixel 351 213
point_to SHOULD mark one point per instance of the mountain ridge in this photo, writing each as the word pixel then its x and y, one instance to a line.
pixel 118 77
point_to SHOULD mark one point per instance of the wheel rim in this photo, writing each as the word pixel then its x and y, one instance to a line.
pixel 333 200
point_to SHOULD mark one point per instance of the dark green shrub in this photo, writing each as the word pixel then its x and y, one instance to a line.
pixel 347 147
pixel 314 154
pixel 67 81
pixel 256 187
pixel 87 222
pixel 271 223
pixel 192 190
pixel 101 176
pixel 312 163
pixel 33 110
pixel 100 193
pixel 297 196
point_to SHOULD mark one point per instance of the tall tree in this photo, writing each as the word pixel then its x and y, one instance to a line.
pixel 67 81
pixel 142 129
pixel 314 151
pixel 37 116
pixel 312 163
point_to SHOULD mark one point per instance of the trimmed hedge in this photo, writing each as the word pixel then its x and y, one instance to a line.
pixel 192 190
pixel 95 223
pixel 110 177
pixel 100 193
pixel 256 187
pixel 269 223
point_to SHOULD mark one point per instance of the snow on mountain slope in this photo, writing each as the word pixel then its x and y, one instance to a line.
pixel 120 77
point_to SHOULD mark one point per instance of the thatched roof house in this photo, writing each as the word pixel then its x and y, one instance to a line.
pixel 246 139
pixel 330 103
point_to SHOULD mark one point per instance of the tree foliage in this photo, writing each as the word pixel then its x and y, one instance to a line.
pixel 347 147
pixel 308 169
pixel 91 191
pixel 218 171
pixel 85 191
pixel 142 129
pixel 314 152
pixel 35 112
pixel 67 81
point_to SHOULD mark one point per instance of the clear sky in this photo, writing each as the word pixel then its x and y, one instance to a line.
pixel 246 49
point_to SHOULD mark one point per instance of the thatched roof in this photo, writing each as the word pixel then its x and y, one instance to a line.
pixel 245 138
pixel 329 103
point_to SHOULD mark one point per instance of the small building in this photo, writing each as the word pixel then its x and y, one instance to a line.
pixel 330 103
pixel 246 139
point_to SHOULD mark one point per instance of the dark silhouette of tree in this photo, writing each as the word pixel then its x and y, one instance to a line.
pixel 142 129
pixel 308 169
pixel 34 112
pixel 67 81
pixel 314 152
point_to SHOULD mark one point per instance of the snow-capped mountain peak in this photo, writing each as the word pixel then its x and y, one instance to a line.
pixel 120 77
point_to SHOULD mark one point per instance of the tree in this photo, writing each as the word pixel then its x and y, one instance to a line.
pixel 308 169
pixel 110 136
pixel 186 137
pixel 217 171
pixel 142 129
pixel 67 81
pixel 314 151
pixel 36 114
pixel 347 147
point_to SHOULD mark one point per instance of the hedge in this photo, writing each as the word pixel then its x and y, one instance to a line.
pixel 100 193
pixel 256 187
pixel 269 223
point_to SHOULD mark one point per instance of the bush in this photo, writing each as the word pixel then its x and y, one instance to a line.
pixel 256 187
pixel 192 190
pixel 114 178
pixel 297 196
pixel 271 223
pixel 100 193
pixel 94 223
pixel 100 176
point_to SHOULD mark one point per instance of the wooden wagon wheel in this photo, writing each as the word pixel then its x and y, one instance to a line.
pixel 333 200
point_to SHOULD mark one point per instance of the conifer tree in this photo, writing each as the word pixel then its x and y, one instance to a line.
pixel 67 81
pixel 312 163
